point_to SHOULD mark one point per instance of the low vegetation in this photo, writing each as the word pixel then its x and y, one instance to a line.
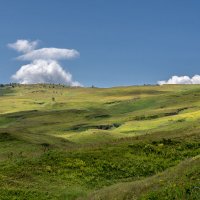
pixel 66 143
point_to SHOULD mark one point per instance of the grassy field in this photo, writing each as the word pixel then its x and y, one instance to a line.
pixel 140 142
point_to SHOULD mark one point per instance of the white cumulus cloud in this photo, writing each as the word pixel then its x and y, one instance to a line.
pixel 44 66
pixel 181 80
pixel 23 46
pixel 42 71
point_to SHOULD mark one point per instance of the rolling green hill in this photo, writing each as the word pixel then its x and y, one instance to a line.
pixel 140 142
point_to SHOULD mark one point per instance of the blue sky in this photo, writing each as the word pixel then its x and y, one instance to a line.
pixel 120 42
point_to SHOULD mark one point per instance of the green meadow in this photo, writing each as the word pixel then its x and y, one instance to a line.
pixel 67 143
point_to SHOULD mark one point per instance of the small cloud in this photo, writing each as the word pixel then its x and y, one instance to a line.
pixel 181 80
pixel 50 54
pixel 23 46
pixel 44 66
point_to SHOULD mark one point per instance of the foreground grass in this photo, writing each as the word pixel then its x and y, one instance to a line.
pixel 90 143
pixel 180 182
pixel 90 169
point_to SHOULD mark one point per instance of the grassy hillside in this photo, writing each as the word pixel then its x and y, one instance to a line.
pixel 67 143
